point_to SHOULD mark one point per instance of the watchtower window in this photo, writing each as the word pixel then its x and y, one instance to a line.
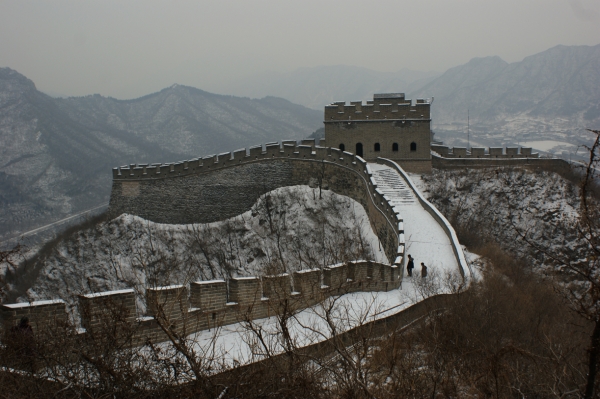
pixel 413 146
pixel 342 147
pixel 377 147
pixel 395 147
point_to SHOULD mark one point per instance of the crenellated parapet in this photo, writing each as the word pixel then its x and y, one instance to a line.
pixel 389 126
pixel 482 152
pixel 478 157
pixel 205 305
pixel 288 149
pixel 387 106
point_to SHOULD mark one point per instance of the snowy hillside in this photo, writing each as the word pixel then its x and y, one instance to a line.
pixel 288 229
pixel 501 205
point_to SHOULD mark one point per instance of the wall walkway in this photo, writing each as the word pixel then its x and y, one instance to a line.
pixel 427 237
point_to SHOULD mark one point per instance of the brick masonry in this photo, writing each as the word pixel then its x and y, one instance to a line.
pixel 208 306
pixel 389 127
pixel 219 187
pixel 95 309
pixel 169 302
pixel 208 295
pixel 41 313
pixel 527 161
pixel 492 153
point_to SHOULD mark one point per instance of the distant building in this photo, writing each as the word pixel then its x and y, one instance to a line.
pixel 390 127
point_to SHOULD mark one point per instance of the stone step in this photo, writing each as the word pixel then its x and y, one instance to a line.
pixel 392 185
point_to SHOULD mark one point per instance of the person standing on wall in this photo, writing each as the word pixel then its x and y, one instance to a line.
pixel 423 270
pixel 410 266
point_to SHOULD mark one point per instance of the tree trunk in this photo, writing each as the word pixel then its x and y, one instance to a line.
pixel 593 361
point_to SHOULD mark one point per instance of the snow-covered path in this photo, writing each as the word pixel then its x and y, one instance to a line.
pixel 426 240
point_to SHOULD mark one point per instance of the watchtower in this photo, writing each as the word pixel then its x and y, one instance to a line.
pixel 390 127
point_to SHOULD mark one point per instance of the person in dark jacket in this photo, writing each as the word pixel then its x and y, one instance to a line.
pixel 423 270
pixel 410 266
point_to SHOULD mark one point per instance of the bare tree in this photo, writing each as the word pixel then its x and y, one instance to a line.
pixel 583 290
pixel 9 261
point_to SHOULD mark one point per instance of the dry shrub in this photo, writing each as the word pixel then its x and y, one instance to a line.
pixel 510 335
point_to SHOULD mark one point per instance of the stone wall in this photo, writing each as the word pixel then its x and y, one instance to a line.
pixel 218 187
pixel 95 309
pixel 40 313
pixel 390 106
pixel 208 295
pixel 209 304
pixel 559 166
pixel 464 267
pixel 483 153
pixel 385 134
pixel 390 127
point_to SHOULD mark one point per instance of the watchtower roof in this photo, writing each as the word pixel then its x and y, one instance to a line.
pixel 392 106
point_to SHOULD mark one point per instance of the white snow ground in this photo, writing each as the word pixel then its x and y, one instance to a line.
pixel 426 241
pixel 236 344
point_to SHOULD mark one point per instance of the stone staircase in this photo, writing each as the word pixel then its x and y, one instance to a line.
pixel 392 185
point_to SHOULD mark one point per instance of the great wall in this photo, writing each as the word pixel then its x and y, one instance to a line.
pixel 218 187
pixel 203 305
pixel 144 189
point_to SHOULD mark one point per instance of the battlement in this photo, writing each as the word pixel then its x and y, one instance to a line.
pixel 386 106
pixel 209 303
pixel 287 149
pixel 482 152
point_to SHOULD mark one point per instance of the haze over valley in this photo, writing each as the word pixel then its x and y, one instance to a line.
pixel 58 153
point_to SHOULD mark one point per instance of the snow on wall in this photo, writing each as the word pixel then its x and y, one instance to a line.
pixel 437 215
pixel 289 229
pixel 209 305
pixel 220 187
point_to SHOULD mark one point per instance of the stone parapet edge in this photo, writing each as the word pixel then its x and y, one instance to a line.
pixel 456 247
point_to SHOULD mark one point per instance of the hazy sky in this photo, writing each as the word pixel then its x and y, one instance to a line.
pixel 126 49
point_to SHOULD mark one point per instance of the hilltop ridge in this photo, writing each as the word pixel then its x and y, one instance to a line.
pixel 57 153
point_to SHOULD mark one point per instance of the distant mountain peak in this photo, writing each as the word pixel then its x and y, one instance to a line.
pixel 57 153
pixel 491 59
pixel 8 74
pixel 551 94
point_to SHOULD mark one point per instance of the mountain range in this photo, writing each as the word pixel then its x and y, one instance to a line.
pixel 545 100
pixel 57 154
pixel 552 95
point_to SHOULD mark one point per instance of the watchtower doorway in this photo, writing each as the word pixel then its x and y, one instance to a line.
pixel 359 149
